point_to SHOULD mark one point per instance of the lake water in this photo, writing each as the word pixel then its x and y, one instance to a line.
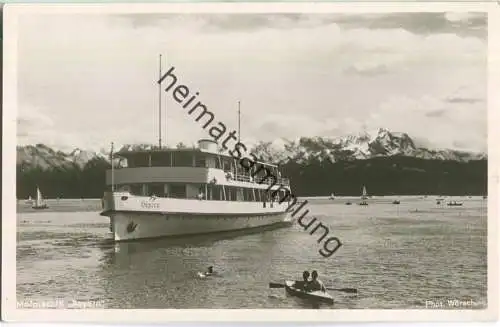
pixel 397 256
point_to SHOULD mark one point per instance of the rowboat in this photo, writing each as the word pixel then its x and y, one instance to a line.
pixel 317 296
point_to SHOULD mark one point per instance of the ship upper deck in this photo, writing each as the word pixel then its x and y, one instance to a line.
pixel 202 157
pixel 168 154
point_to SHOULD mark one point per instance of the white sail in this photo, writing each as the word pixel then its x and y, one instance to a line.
pixel 364 193
pixel 39 197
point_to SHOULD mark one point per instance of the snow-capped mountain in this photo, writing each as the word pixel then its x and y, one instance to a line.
pixel 45 157
pixel 381 143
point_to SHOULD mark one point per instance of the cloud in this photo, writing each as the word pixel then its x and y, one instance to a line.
pixel 426 23
pixel 31 119
pixel 436 113
pixel 430 118
pixel 295 75
pixel 366 70
pixel 463 100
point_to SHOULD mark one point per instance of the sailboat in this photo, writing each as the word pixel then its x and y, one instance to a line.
pixel 454 204
pixel 364 197
pixel 332 196
pixel 39 202
pixel 29 200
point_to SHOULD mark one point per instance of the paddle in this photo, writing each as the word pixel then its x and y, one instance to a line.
pixel 347 290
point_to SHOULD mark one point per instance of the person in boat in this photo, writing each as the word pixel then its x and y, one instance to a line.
pixel 315 284
pixel 302 283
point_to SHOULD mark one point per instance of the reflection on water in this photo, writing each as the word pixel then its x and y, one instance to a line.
pixel 394 257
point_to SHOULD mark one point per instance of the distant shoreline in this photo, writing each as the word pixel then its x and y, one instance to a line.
pixel 321 197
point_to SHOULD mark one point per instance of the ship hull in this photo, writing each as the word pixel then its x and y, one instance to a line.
pixel 132 225
pixel 167 219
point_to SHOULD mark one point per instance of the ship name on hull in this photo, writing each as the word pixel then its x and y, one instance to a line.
pixel 149 205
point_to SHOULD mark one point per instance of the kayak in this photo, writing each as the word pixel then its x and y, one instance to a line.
pixel 316 296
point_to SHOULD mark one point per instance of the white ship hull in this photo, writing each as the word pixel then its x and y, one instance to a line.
pixel 139 217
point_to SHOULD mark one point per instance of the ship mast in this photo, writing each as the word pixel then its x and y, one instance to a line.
pixel 159 107
pixel 112 169
pixel 239 118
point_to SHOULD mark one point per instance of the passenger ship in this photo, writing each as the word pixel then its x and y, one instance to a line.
pixel 171 192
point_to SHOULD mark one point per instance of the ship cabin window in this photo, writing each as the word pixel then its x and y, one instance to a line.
pixel 246 194
pixel 227 164
pixel 200 160
pixel 156 189
pixel 183 159
pixel 211 161
pixel 138 160
pixel 209 192
pixel 136 189
pixel 177 190
pixel 123 188
pixel 231 193
pixel 161 159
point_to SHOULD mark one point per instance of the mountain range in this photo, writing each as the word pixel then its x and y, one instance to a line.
pixel 382 143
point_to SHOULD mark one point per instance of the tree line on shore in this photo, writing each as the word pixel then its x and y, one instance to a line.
pixel 397 175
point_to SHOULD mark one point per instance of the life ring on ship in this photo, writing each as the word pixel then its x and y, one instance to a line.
pixel 131 227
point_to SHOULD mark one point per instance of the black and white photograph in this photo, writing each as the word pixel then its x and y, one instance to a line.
pixel 309 158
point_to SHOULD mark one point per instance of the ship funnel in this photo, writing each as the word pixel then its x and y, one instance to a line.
pixel 208 145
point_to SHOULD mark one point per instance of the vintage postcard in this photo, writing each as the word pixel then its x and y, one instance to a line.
pixel 250 162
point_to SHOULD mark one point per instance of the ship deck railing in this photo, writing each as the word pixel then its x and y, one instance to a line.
pixel 256 179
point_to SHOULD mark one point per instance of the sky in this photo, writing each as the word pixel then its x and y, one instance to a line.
pixel 87 80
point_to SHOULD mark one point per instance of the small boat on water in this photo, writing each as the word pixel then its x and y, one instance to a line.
pixel 40 202
pixel 396 202
pixel 364 196
pixel 332 196
pixel 317 296
pixel 29 200
pixel 348 203
pixel 203 275
pixel 454 204
pixel 208 273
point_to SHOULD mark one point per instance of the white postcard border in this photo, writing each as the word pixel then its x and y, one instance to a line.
pixel 11 313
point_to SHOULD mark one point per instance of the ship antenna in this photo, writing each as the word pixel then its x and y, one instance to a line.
pixel 159 107
pixel 112 169
pixel 166 118
pixel 239 118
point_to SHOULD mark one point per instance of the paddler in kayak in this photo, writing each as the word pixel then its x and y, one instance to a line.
pixel 315 284
pixel 302 283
